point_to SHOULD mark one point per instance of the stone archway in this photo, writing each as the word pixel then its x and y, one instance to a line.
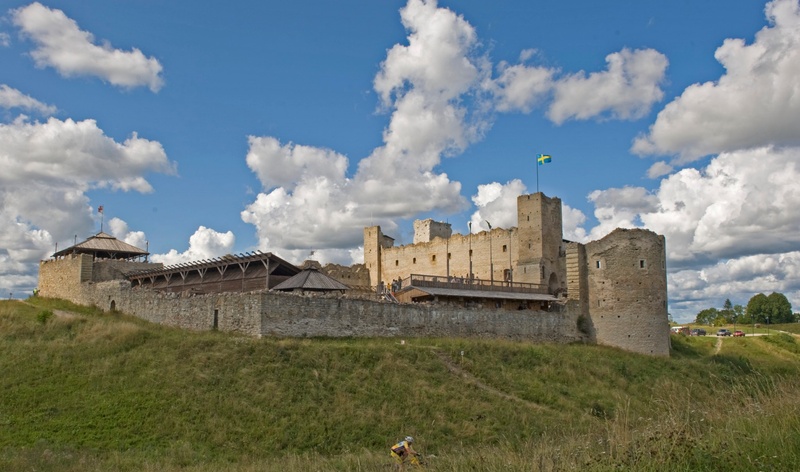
pixel 113 306
pixel 552 283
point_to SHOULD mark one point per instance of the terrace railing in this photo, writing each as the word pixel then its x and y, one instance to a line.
pixel 465 283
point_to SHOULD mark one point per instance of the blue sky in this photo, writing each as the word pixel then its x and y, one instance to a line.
pixel 289 126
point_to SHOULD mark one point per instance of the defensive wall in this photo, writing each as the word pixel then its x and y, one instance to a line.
pixel 313 315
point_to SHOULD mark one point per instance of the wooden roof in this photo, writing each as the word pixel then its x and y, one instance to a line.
pixel 103 245
pixel 280 266
pixel 313 280
pixel 241 273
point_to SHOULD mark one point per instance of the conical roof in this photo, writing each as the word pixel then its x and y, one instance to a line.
pixel 311 279
pixel 103 245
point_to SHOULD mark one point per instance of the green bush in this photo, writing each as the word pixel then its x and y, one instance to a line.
pixel 43 316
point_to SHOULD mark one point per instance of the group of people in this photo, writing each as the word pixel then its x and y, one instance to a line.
pixel 397 285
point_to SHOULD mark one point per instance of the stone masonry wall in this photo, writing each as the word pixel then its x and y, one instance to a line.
pixel 301 315
pixel 61 278
pixel 295 315
pixel 431 258
pixel 234 312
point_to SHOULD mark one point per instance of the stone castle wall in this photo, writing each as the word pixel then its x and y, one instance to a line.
pixel 431 258
pixel 305 315
pixel 63 278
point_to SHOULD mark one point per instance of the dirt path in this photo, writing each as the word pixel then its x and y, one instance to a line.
pixel 59 313
pixel 472 380
pixel 717 346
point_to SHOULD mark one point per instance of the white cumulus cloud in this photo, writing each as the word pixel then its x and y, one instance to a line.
pixel 626 90
pixel 61 44
pixel 755 103
pixel 308 202
pixel 731 227
pixel 45 171
pixel 521 87
pixel 496 204
pixel 205 243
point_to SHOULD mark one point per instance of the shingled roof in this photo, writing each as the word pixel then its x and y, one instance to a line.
pixel 313 280
pixel 103 245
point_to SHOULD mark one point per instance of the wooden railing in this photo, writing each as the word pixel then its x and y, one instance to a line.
pixel 465 283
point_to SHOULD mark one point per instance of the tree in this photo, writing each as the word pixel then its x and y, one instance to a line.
pixel 756 310
pixel 779 307
pixel 738 311
pixel 707 317
pixel 727 313
pixel 775 308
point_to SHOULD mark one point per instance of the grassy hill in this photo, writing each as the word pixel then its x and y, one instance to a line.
pixel 86 391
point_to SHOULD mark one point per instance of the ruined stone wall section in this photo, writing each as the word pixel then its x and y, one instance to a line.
pixel 300 315
pixel 431 258
pixel 356 275
pixel 426 230
pixel 235 312
pixel 61 278
pixel 292 315
pixel 627 287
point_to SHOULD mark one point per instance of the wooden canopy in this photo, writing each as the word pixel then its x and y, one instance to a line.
pixel 242 273
pixel 311 279
pixel 103 246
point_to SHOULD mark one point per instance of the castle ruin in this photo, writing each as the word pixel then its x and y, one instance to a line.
pixel 523 283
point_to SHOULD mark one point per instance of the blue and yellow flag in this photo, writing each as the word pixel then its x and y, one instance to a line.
pixel 543 159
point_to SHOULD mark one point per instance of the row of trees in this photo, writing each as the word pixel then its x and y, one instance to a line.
pixel 761 308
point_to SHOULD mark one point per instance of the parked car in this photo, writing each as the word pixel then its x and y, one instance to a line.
pixel 738 333
pixel 724 332
pixel 698 332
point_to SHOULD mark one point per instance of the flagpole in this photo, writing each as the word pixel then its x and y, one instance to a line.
pixel 537 176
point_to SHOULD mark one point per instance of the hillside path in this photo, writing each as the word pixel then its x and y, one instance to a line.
pixel 472 380
pixel 718 346
pixel 58 313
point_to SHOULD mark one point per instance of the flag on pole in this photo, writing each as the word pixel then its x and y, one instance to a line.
pixel 100 209
pixel 489 225
pixel 543 159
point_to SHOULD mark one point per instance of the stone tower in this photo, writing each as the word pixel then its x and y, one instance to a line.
pixel 540 241
pixel 426 230
pixel 374 242
pixel 626 279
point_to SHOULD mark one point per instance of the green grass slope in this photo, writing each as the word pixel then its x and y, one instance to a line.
pixel 84 390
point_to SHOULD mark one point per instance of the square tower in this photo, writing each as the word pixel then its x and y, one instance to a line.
pixel 540 239
pixel 426 230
